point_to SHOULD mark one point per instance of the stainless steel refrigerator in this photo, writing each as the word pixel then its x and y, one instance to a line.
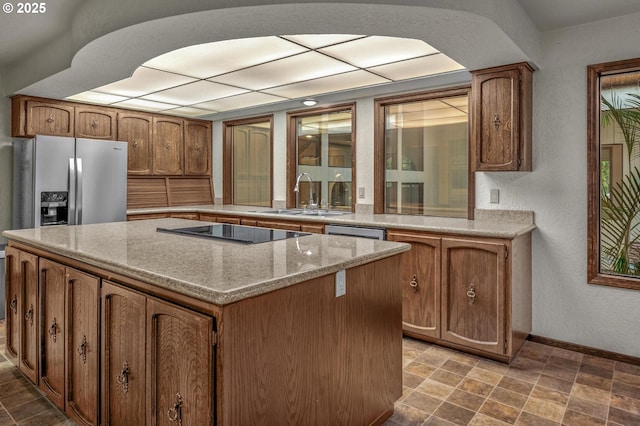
pixel 58 181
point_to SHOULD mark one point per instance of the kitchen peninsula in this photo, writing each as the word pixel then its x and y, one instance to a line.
pixel 120 323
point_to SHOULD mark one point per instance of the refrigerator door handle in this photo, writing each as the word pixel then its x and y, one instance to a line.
pixel 72 191
pixel 79 191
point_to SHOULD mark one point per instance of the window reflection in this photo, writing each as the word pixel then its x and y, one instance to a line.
pixel 426 157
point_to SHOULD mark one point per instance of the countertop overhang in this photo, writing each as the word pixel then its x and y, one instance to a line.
pixel 210 270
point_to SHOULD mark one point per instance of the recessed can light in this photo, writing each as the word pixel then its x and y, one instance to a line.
pixel 309 102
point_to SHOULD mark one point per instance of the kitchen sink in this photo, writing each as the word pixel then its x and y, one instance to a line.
pixel 304 212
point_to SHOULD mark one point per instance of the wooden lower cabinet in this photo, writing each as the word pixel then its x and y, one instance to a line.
pixel 469 293
pixel 181 365
pixel 53 330
pixel 83 347
pixel 123 331
pixel 70 343
pixel 22 313
pixel 157 360
pixel 420 284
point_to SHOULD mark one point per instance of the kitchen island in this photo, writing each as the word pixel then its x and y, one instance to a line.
pixel 119 323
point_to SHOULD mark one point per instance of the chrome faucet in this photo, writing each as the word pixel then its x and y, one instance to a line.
pixel 312 203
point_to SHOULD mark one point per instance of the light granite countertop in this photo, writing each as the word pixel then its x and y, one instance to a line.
pixel 488 223
pixel 212 270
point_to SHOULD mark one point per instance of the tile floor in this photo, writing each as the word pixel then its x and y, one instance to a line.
pixel 543 386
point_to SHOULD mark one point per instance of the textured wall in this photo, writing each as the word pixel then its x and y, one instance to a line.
pixel 6 159
pixel 565 307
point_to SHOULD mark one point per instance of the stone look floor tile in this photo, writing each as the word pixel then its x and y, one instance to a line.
pixel 543 386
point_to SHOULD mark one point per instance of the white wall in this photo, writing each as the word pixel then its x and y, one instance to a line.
pixel 565 307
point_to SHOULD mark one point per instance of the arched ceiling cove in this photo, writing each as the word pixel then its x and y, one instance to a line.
pixel 109 40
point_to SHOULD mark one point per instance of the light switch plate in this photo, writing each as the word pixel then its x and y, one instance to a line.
pixel 361 192
pixel 341 283
pixel 494 196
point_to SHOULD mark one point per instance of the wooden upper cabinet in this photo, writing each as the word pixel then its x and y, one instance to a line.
pixel 168 145
pixel 420 284
pixel 197 148
pixel 95 122
pixel 474 294
pixel 47 118
pixel 501 118
pixel 136 129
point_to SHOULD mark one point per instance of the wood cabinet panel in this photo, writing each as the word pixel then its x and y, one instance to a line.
pixel 83 347
pixel 168 146
pixel 287 226
pixel 95 123
pixel 49 118
pixel 22 314
pixel 29 336
pixel 123 356
pixel 227 219
pixel 420 284
pixel 473 308
pixel 14 299
pixel 181 365
pixel 501 121
pixel 197 148
pixel 136 130
pixel 53 330
pixel 315 228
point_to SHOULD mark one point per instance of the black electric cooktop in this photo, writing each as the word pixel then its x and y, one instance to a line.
pixel 238 233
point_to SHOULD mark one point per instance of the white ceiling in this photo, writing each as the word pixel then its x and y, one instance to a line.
pixel 243 73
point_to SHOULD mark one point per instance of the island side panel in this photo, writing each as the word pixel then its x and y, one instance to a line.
pixel 300 355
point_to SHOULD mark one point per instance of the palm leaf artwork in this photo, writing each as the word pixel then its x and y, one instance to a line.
pixel 620 204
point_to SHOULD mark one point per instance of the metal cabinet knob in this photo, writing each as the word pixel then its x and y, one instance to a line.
pixel 175 413
pixel 82 350
pixel 414 283
pixel 471 293
pixel 123 377
pixel 29 315
pixel 53 330
pixel 14 305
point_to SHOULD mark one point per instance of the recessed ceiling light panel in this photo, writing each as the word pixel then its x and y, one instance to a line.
pixel 418 67
pixel 376 50
pixel 245 100
pixel 144 105
pixel 194 93
pixel 315 41
pixel 97 98
pixel 334 83
pixel 143 81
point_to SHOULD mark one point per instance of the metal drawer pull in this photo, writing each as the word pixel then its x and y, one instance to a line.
pixel 496 121
pixel 14 304
pixel 50 119
pixel 29 315
pixel 414 284
pixel 53 330
pixel 471 293
pixel 175 412
pixel 82 349
pixel 123 377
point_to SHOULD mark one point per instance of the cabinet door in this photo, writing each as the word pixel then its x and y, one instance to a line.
pixel 501 119
pixel 420 284
pixel 168 146
pixel 29 317
pixel 55 119
pixel 473 294
pixel 52 330
pixel 181 362
pixel 95 122
pixel 136 130
pixel 123 356
pixel 22 314
pixel 82 347
pixel 197 148
pixel 13 296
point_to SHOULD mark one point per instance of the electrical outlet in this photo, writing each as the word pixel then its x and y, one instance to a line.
pixel 341 283
pixel 361 192
pixel 494 196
